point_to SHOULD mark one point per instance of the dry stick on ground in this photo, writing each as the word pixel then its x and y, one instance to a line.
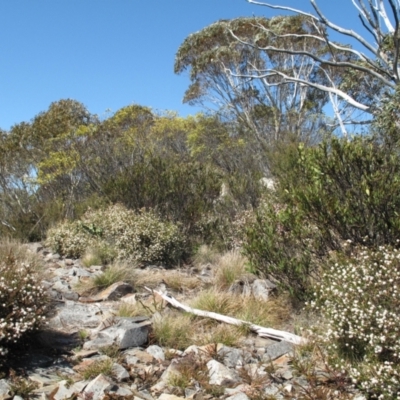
pixel 259 330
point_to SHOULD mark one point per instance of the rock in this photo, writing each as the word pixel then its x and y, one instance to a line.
pixel 64 391
pixel 120 392
pixel 238 396
pixel 233 357
pixel 73 317
pixel 129 299
pixel 276 350
pixel 96 388
pixel 165 396
pixel 113 292
pixel 125 333
pixel 119 372
pixel 221 375
pixel 4 389
pixel 157 352
pixel 261 288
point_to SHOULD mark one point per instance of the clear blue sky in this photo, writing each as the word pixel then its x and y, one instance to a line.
pixel 109 53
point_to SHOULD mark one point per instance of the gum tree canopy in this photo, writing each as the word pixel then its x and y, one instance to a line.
pixel 219 65
pixel 372 66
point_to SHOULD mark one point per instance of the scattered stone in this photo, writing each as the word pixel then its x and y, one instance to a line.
pixel 261 288
pixel 96 388
pixel 238 396
pixel 119 373
pixel 276 350
pixel 113 292
pixel 157 352
pixel 221 375
pixel 5 389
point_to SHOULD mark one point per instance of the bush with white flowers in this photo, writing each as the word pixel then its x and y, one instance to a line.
pixel 22 300
pixel 140 236
pixel 359 299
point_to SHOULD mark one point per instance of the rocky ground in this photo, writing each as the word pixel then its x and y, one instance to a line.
pixel 88 351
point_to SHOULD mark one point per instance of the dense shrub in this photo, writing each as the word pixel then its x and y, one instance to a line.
pixel 283 246
pixel 69 239
pixel 359 300
pixel 140 236
pixel 343 189
pixel 22 298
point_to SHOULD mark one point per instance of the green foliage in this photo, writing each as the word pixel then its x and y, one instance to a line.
pixel 282 245
pixel 343 189
pixel 22 298
pixel 141 236
pixel 359 300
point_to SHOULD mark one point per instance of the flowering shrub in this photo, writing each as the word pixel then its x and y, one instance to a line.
pixel 142 236
pixel 22 300
pixel 360 301
pixel 69 239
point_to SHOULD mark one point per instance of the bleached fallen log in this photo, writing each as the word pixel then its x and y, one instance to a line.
pixel 259 330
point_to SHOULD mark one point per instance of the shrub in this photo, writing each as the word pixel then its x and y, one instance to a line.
pixel 69 239
pixel 284 246
pixel 141 236
pixel 359 300
pixel 22 299
pixel 343 189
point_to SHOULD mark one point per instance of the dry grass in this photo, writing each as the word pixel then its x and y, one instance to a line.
pixel 275 313
pixel 229 267
pixel 113 273
pixel 176 281
pixel 205 255
pixel 22 254
pixel 174 331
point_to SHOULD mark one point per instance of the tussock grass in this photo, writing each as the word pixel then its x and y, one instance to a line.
pixel 21 254
pixel 176 281
pixel 174 331
pixel 229 267
pixel 275 312
pixel 205 255
pixel 98 367
pixel 116 272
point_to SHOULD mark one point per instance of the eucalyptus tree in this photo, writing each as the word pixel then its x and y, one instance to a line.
pixel 222 73
pixel 371 68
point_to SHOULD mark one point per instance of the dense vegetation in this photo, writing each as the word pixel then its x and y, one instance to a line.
pixel 154 187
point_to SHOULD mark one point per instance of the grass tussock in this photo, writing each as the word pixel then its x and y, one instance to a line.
pixel 21 254
pixel 229 267
pixel 115 272
pixel 205 255
pixel 174 331
pixel 176 281
pixel 98 367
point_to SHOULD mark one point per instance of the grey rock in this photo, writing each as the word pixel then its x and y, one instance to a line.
pixel 4 389
pixel 261 288
pixel 119 391
pixel 73 317
pixel 166 396
pixel 238 396
pixel 64 391
pixel 231 357
pixel 119 372
pixel 276 350
pixel 221 375
pixel 125 333
pixel 97 387
pixel 157 352
pixel 113 292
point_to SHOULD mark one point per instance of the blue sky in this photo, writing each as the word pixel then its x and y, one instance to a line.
pixel 110 53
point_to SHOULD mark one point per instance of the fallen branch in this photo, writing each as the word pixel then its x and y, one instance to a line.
pixel 259 330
